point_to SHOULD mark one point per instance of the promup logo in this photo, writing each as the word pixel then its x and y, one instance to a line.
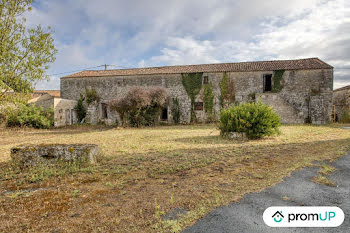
pixel 297 216
pixel 278 216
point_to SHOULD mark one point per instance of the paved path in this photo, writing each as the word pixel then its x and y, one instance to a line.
pixel 246 215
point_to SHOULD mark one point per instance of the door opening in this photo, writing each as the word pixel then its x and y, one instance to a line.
pixel 164 115
pixel 104 111
pixel 267 82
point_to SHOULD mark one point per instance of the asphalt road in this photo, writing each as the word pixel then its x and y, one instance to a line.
pixel 246 215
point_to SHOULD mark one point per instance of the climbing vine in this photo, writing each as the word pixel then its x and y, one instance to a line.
pixel 227 92
pixel 208 98
pixel 192 83
pixel 277 78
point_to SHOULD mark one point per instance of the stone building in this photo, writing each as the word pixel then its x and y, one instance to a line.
pixel 299 90
pixel 64 112
pixel 341 104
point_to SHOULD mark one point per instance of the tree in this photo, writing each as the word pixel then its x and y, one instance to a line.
pixel 24 52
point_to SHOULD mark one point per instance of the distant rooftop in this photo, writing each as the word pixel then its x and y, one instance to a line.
pixel 54 93
pixel 299 64
pixel 342 88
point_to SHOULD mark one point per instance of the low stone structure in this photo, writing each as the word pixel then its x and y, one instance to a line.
pixel 64 109
pixel 299 90
pixel 28 155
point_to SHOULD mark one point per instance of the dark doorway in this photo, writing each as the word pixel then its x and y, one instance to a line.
pixel 267 82
pixel 104 111
pixel 164 115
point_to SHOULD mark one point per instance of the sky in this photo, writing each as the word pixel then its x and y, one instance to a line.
pixel 143 33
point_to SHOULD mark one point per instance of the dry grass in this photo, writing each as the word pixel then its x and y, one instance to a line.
pixel 322 178
pixel 145 173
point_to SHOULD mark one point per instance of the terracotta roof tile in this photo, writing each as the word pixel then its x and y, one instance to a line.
pixel 54 93
pixel 309 63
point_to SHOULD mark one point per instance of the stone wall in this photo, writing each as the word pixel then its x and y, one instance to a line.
pixel 298 87
pixel 341 102
pixel 64 112
pixel 45 101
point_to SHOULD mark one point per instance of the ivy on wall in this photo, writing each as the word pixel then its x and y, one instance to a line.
pixel 192 83
pixel 277 78
pixel 227 92
pixel 208 98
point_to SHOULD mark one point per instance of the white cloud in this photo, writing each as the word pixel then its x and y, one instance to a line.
pixel 52 84
pixel 90 33
pixel 322 31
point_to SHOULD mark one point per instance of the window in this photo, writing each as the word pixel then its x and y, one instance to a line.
pixel 164 115
pixel 198 106
pixel 205 80
pixel 267 82
pixel 104 111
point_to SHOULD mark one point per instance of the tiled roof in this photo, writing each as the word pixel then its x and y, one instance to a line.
pixel 54 93
pixel 342 88
pixel 300 64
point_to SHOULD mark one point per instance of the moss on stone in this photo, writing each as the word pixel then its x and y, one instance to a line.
pixel 71 149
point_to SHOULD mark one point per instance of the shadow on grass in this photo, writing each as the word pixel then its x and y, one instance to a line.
pixel 214 139
pixel 74 129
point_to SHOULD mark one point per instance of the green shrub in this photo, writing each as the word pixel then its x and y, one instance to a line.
pixel 31 116
pixel 80 108
pixel 255 119
pixel 91 96
pixel 3 118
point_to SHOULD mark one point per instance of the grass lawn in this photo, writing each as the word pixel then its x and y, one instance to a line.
pixel 145 173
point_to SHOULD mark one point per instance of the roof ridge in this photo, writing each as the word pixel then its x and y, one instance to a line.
pixel 203 64
pixel 291 64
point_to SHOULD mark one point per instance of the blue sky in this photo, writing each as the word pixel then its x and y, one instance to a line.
pixel 139 33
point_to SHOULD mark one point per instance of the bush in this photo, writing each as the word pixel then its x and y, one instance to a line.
pixel 91 96
pixel 140 107
pixel 31 116
pixel 255 119
pixel 80 108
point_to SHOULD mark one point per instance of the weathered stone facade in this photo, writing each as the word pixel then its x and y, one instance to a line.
pixel 64 112
pixel 306 95
pixel 341 104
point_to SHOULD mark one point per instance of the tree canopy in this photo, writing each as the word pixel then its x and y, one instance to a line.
pixel 25 53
